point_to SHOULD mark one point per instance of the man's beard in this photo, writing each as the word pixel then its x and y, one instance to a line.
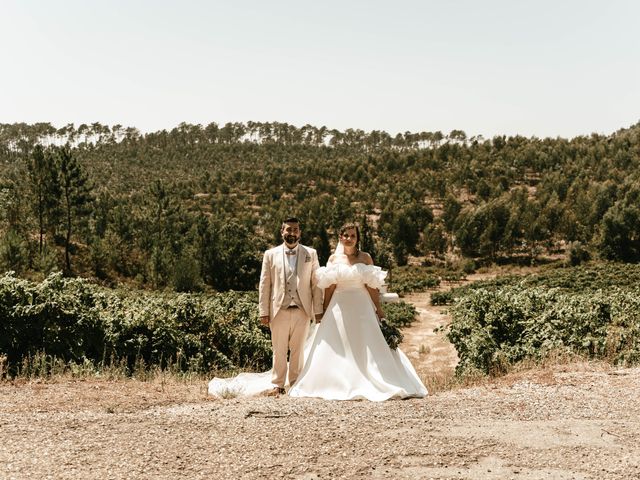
pixel 291 239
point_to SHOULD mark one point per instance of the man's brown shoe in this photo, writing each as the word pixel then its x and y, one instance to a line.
pixel 275 392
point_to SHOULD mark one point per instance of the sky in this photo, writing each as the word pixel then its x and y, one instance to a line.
pixel 495 67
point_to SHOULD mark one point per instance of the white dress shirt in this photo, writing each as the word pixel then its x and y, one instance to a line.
pixel 291 257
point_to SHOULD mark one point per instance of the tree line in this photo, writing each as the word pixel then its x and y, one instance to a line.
pixel 194 207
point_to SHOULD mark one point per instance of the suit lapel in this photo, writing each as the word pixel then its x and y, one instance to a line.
pixel 283 264
pixel 301 262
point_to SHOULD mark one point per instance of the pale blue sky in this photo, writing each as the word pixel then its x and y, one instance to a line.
pixel 544 68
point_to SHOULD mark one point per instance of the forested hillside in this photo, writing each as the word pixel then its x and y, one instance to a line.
pixel 194 207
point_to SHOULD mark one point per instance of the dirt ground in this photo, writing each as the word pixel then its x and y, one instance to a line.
pixel 424 343
pixel 577 421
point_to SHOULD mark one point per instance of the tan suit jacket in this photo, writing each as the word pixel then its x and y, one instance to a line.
pixel 273 281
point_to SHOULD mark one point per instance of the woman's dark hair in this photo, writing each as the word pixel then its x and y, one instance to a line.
pixel 351 226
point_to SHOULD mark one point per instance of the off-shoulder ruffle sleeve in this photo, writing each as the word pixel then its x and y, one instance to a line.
pixel 326 276
pixel 372 275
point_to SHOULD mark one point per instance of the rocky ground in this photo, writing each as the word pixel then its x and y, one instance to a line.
pixel 576 421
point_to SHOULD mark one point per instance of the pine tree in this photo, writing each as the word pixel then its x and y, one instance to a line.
pixel 76 195
pixel 367 243
pixel 45 191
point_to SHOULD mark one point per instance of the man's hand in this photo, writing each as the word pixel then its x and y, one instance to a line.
pixel 318 318
pixel 264 320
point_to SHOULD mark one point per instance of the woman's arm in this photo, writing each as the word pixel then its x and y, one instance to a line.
pixel 374 293
pixel 328 293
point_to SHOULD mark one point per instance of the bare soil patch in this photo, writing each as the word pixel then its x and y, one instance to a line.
pixel 577 422
pixel 432 355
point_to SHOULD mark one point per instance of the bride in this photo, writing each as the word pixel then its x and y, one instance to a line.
pixel 346 356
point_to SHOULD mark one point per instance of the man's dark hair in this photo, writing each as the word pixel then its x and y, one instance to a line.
pixel 291 220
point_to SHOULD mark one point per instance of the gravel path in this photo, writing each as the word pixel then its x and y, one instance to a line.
pixel 571 422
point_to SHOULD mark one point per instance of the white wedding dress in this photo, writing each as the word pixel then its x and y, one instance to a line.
pixel 346 355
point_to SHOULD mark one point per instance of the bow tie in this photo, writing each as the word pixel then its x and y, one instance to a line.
pixel 290 252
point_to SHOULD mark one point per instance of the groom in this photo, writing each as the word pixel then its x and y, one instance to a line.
pixel 288 300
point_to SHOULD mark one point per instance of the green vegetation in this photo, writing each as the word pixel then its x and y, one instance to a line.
pixel 73 320
pixel 62 321
pixel 415 278
pixel 194 207
pixel 593 311
pixel 397 315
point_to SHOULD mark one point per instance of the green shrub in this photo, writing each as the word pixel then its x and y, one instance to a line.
pixel 73 320
pixel 186 274
pixel 442 298
pixel 577 254
pixel 400 314
pixel 469 267
pixel 397 316
pixel 413 279
pixel 498 324
pixel 13 252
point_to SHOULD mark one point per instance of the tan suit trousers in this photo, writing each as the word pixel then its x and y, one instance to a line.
pixel 289 329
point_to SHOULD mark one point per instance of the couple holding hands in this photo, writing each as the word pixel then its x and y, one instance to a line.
pixel 343 355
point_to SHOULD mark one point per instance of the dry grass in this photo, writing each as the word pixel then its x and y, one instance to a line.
pixel 111 387
pixel 228 393
pixel 110 396
pixel 43 367
pixel 541 372
pixel 3 366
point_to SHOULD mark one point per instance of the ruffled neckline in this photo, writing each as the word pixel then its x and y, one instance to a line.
pixel 343 273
